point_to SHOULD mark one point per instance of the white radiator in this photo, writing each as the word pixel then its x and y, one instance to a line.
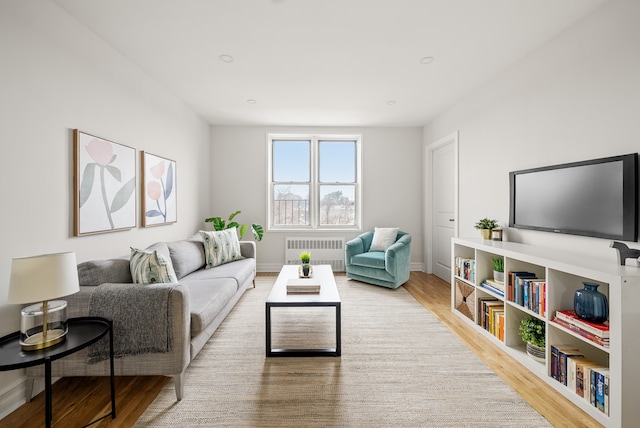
pixel 324 251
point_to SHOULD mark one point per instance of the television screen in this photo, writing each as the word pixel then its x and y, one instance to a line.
pixel 592 198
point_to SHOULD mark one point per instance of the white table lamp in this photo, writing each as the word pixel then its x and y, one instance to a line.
pixel 41 279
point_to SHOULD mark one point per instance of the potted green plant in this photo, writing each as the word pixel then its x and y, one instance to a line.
pixel 532 331
pixel 485 225
pixel 498 269
pixel 221 224
pixel 305 258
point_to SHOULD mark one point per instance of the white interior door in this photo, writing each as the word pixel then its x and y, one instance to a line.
pixel 444 197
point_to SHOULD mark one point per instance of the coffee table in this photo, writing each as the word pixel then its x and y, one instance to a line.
pixel 328 296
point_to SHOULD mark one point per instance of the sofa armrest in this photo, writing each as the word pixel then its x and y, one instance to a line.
pixel 354 247
pixel 248 249
pixel 398 256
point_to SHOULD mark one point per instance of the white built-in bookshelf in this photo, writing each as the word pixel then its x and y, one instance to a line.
pixel 563 273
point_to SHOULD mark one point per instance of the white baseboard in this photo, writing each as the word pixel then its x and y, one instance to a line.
pixel 13 397
pixel 275 267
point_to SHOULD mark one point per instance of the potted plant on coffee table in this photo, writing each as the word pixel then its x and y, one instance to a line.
pixel 532 331
pixel 305 259
pixel 485 225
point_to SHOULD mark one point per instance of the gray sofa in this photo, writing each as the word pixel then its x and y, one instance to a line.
pixel 195 307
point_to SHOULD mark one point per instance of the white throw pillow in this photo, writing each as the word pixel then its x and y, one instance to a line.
pixel 383 238
pixel 149 267
pixel 221 247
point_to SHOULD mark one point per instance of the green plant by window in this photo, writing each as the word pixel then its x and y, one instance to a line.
pixel 221 224
pixel 305 257
pixel 498 264
pixel 532 330
pixel 486 223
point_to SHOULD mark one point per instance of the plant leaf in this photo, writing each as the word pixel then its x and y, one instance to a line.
pixel 258 231
pixel 115 172
pixel 233 215
pixel 232 224
pixel 242 230
pixel 124 194
pixel 218 223
pixel 87 182
pixel 169 186
pixel 153 213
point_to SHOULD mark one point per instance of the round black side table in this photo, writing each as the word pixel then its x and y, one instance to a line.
pixel 83 331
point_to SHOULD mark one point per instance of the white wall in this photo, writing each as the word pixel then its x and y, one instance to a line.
pixel 56 76
pixel 392 184
pixel 576 98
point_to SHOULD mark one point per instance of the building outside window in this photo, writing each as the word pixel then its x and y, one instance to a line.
pixel 314 182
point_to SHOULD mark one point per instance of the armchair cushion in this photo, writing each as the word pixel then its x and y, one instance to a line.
pixel 383 238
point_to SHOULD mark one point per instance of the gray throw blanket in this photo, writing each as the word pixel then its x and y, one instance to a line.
pixel 140 316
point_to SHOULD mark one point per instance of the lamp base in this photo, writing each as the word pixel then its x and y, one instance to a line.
pixel 43 325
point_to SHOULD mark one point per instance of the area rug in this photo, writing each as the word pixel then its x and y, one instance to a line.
pixel 400 367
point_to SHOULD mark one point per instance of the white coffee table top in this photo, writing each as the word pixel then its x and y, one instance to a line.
pixel 321 273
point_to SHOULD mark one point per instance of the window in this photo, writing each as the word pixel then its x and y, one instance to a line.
pixel 314 182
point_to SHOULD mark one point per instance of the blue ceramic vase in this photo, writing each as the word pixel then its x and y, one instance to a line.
pixel 590 304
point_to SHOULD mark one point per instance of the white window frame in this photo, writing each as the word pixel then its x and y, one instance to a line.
pixel 314 190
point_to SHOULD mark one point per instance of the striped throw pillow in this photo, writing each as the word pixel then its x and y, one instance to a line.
pixel 148 267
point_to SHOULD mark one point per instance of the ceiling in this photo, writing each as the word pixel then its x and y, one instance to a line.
pixel 324 62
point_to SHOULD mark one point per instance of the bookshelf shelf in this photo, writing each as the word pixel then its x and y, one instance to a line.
pixel 559 275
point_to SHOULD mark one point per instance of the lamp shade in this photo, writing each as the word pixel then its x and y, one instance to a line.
pixel 43 277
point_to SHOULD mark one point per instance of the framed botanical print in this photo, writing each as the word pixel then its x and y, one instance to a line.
pixel 159 201
pixel 104 185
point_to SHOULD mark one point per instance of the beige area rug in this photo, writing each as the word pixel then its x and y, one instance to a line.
pixel 400 367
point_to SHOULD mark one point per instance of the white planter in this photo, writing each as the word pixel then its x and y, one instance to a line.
pixel 498 276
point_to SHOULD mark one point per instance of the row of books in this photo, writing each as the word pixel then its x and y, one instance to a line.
pixel 581 375
pixel 491 316
pixel 528 291
pixel 598 333
pixel 465 269
pixel 303 286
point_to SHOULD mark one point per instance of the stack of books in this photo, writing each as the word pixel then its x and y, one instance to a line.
pixel 303 286
pixel 598 333
pixel 493 286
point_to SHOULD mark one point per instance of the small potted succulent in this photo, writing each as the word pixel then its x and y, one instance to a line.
pixel 498 269
pixel 532 331
pixel 305 258
pixel 485 226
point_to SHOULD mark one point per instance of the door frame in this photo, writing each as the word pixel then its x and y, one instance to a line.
pixel 428 179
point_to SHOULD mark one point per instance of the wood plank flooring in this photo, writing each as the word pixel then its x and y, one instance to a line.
pixel 78 401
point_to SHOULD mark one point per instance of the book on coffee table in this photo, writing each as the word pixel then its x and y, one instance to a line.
pixel 303 285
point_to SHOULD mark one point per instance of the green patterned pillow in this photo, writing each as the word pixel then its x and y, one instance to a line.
pixel 148 267
pixel 221 247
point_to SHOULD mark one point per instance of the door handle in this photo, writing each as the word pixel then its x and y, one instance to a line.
pixel 452 219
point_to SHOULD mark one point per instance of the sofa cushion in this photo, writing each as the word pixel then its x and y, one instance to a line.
pixel 372 259
pixel 96 272
pixel 148 267
pixel 240 271
pixel 383 238
pixel 187 255
pixel 221 246
pixel 206 299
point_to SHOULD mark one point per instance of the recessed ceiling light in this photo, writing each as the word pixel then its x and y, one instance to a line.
pixel 251 101
pixel 392 102
pixel 427 60
pixel 226 58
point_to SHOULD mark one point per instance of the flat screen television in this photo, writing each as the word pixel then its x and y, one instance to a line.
pixel 595 198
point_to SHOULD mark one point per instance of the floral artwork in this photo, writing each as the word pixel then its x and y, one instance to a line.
pixel 159 200
pixel 104 185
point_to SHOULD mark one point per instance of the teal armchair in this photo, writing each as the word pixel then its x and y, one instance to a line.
pixel 385 268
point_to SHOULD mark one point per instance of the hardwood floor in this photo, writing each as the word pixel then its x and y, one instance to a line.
pixel 78 401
